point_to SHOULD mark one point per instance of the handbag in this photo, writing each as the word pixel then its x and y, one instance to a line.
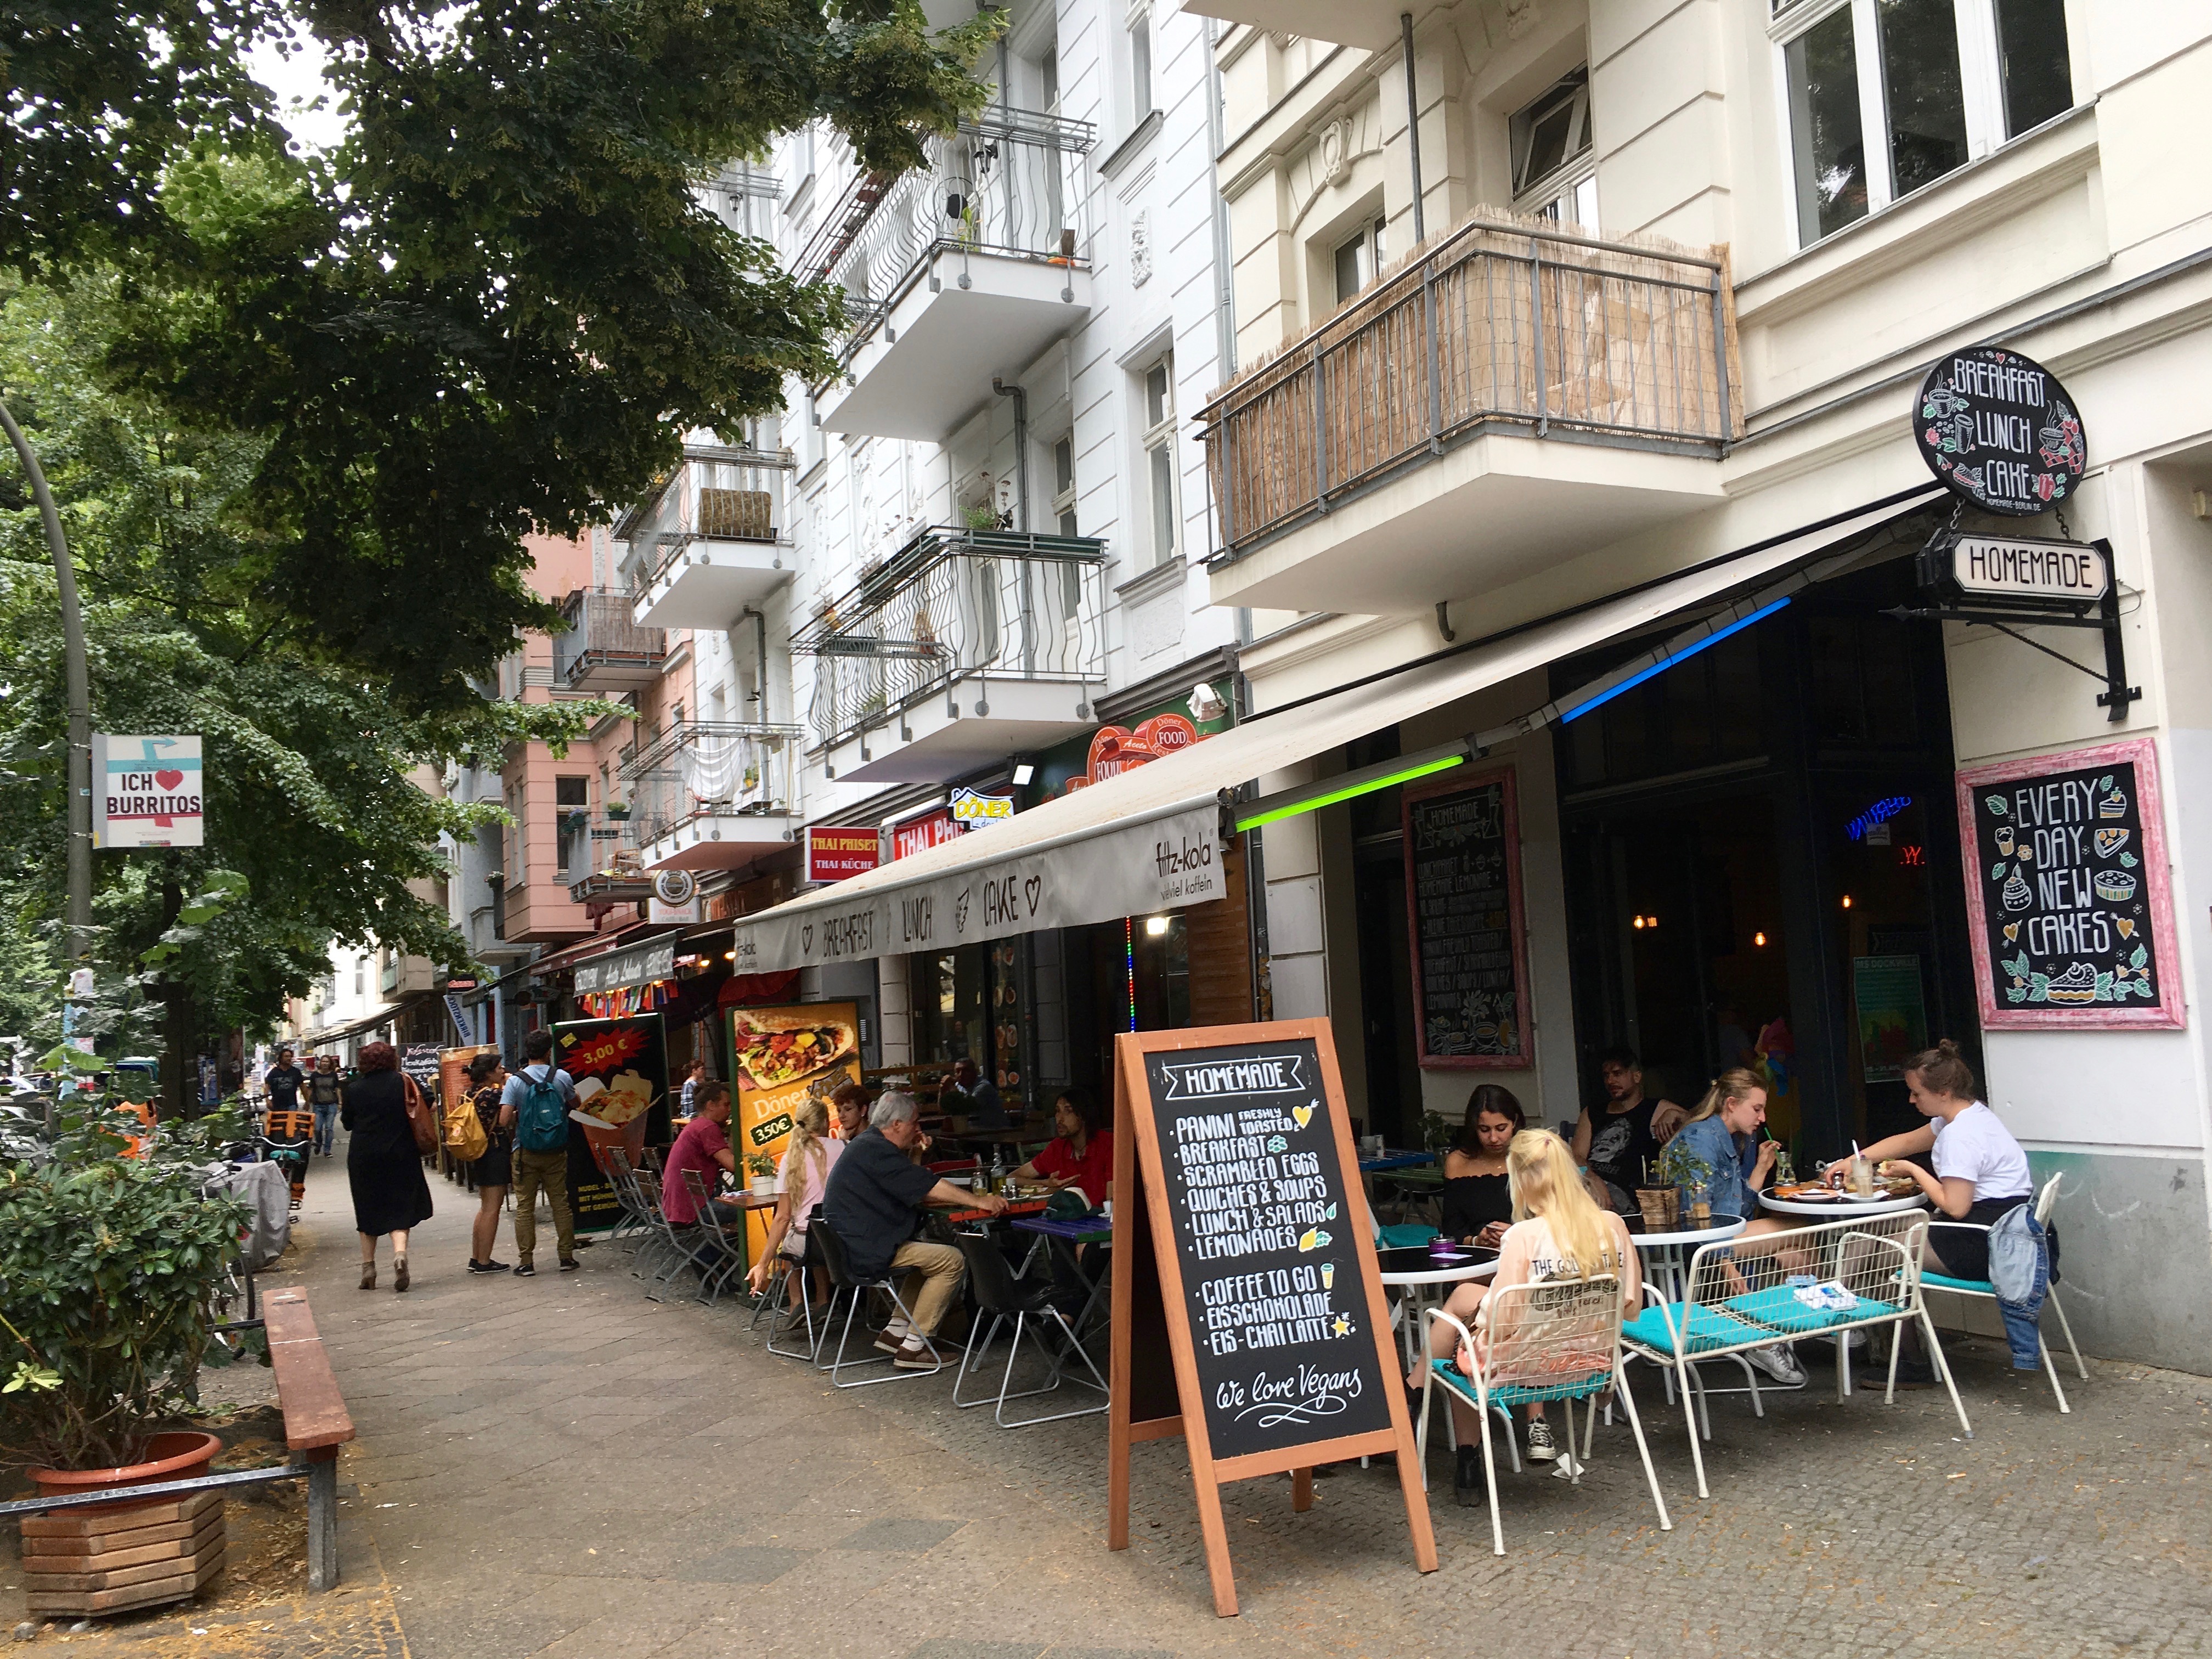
pixel 418 1116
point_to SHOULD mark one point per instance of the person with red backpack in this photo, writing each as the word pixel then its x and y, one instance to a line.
pixel 540 1096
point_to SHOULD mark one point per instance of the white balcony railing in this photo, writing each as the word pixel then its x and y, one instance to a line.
pixel 713 494
pixel 706 769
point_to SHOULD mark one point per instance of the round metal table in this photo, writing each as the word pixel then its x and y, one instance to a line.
pixel 1417 1272
pixel 1662 1252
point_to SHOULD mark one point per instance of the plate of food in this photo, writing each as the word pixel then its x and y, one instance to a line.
pixel 776 1049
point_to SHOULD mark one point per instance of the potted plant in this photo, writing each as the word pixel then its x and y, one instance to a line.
pixel 111 1269
pixel 619 811
pixel 760 1168
pixel 1683 1169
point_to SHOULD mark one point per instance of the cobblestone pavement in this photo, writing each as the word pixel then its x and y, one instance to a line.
pixel 558 1466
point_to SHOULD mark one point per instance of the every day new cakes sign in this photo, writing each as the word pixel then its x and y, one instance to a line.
pixel 2066 879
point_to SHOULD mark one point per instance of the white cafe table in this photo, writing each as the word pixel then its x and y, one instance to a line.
pixel 1663 1253
pixel 1421 1276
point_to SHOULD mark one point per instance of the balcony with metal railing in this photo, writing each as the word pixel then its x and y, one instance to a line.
pixel 712 538
pixel 960 271
pixel 709 795
pixel 605 649
pixel 1518 394
pixel 965 647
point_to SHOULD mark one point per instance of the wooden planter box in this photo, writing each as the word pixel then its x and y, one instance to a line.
pixel 86 1562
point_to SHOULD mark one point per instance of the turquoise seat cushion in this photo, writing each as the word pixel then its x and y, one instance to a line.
pixel 1709 1329
pixel 1522 1394
pixel 1777 1308
pixel 1945 1282
pixel 1409 1237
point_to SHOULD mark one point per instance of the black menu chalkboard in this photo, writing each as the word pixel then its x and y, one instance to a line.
pixel 2064 877
pixel 1272 1285
pixel 1462 849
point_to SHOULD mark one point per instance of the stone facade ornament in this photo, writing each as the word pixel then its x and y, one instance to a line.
pixel 1140 248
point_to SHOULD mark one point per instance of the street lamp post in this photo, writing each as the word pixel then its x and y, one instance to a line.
pixel 80 702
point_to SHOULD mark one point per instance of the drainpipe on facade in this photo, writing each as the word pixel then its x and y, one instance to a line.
pixel 1224 288
pixel 760 664
pixel 1412 124
pixel 1021 448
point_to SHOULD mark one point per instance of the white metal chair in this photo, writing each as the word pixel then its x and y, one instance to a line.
pixel 2045 1201
pixel 1558 1340
pixel 1842 1276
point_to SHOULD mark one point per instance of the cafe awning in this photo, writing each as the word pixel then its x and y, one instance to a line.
pixel 1149 840
pixel 383 1015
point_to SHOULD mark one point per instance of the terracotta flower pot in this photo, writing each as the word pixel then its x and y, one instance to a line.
pixel 176 1457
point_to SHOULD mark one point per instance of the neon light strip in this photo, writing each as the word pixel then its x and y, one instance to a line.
pixel 1129 961
pixel 1357 789
pixel 1668 662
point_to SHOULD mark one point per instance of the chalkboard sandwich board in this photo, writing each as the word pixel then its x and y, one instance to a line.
pixel 1463 922
pixel 2067 890
pixel 1249 1313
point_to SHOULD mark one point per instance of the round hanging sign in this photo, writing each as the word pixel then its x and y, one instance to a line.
pixel 2000 431
pixel 675 886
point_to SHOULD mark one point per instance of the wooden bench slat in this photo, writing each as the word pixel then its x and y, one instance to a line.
pixel 315 1415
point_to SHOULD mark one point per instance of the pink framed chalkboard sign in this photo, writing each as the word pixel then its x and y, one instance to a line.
pixel 1464 923
pixel 2068 900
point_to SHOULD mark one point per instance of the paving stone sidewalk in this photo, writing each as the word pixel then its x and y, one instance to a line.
pixel 558 1466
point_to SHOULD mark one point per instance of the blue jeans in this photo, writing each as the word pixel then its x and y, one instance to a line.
pixel 326 1127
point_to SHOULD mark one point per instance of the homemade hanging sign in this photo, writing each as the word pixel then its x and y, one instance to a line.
pixel 1998 429
pixel 1462 847
pixel 1249 1314
pixel 2072 920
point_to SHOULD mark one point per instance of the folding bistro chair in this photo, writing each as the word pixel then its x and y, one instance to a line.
pixel 1826 1281
pixel 844 1282
pixel 637 1224
pixel 1557 1340
pixel 2045 1201
pixel 1000 1295
pixel 680 1247
pixel 793 1296
pixel 714 1235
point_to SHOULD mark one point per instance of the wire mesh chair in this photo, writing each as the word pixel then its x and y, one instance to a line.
pixel 837 1267
pixel 1554 1341
pixel 1000 1295
pixel 1827 1281
pixel 637 1224
pixel 715 1236
pixel 1981 1289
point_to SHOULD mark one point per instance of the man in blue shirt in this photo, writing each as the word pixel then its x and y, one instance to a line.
pixel 874 1200
pixel 537 1167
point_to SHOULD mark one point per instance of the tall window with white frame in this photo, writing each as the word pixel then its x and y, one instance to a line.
pixel 1064 521
pixel 1160 458
pixel 1140 62
pixel 1884 96
pixel 1555 164
pixel 1359 260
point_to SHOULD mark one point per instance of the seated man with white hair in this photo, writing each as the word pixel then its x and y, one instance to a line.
pixel 875 1200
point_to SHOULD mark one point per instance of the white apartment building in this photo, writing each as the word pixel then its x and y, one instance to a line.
pixel 1645 365
pixel 984 540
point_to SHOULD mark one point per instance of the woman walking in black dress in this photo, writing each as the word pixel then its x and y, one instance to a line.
pixel 389 1193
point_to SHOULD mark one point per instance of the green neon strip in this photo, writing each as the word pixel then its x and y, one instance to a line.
pixel 1369 789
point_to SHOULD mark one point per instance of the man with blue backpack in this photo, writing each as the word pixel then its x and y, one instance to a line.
pixel 538 1097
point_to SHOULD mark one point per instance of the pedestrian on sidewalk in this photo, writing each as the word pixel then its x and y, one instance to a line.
pixel 493 1173
pixel 542 1095
pixel 874 1199
pixel 282 1080
pixel 390 1195
pixel 325 1091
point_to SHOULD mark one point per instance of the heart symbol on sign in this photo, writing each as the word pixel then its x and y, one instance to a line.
pixel 960 911
pixel 806 936
pixel 2011 932
pixel 168 780
pixel 1302 1115
pixel 1033 886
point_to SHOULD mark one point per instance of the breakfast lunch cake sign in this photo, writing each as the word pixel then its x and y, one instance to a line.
pixel 2070 914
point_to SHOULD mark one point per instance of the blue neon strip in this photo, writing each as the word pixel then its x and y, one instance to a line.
pixel 1664 664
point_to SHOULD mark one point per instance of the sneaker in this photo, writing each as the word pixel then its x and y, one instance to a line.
pixel 915 1355
pixel 523 1270
pixel 570 1264
pixel 1541 1447
pixel 1467 1476
pixel 477 1266
pixel 1779 1363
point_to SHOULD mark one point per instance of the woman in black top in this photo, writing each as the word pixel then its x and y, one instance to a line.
pixel 385 1170
pixel 1477 1204
pixel 494 1172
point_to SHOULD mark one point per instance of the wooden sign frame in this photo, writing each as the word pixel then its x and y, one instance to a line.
pixel 1523 1055
pixel 1149 1303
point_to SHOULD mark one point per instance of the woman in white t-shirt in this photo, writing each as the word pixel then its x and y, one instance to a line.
pixel 1558 1232
pixel 1980 1170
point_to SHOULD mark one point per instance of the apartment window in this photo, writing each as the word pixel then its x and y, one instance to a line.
pixel 572 800
pixel 1063 512
pixel 1141 64
pixel 1887 95
pixel 1359 261
pixel 1554 168
pixel 360 975
pixel 1048 82
pixel 1159 457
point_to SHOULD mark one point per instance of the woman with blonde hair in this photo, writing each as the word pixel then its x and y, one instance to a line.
pixel 1558 1232
pixel 807 1157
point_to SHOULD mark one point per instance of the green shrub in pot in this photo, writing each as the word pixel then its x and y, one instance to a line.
pixel 110 1268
